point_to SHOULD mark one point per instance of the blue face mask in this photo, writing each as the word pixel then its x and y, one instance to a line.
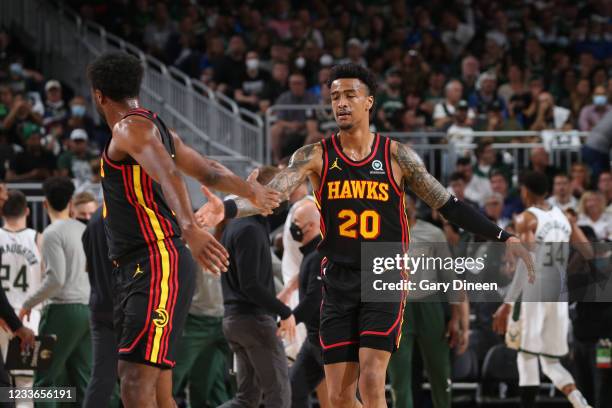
pixel 78 110
pixel 16 69
pixel 600 100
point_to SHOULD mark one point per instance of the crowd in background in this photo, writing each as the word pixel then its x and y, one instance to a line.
pixel 516 63
pixel 45 130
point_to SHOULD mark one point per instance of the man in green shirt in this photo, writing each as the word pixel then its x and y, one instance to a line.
pixel 201 361
pixel 426 322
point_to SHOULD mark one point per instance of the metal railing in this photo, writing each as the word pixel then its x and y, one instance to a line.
pixel 65 44
pixel 440 156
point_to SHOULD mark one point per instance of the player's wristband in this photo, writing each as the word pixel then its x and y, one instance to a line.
pixel 468 218
pixel 231 209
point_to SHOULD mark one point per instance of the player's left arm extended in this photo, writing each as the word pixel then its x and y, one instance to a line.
pixel 417 178
pixel 213 174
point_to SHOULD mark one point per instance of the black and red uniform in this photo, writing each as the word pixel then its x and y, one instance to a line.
pixel 360 202
pixel 154 270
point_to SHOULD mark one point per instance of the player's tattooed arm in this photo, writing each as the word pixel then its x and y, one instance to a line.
pixel 303 162
pixel 417 178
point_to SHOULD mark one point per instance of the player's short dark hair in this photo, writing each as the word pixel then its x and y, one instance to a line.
pixel 536 182
pixel 351 70
pixel 15 205
pixel 117 75
pixel 58 192
pixel 457 176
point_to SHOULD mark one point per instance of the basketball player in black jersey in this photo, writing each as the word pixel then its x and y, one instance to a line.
pixel 147 215
pixel 359 178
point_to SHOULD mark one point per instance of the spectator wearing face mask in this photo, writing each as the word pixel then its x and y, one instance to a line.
pixel 84 205
pixel 21 79
pixel 55 107
pixel 250 92
pixel 307 372
pixel 591 114
pixel 79 119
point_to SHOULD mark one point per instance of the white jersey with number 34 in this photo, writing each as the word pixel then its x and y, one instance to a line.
pixel 20 267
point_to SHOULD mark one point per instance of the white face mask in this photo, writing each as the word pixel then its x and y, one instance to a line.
pixel 252 64
pixel 300 62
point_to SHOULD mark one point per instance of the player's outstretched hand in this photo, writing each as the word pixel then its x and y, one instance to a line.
pixel 500 318
pixel 26 336
pixel 206 250
pixel 212 212
pixel 287 329
pixel 264 198
pixel 516 249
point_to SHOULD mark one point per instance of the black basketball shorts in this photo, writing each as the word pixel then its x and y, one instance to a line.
pixel 348 324
pixel 153 293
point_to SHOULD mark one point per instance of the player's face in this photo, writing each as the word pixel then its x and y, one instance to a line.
pixel 350 101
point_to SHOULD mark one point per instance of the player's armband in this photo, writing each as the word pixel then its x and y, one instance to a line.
pixel 231 209
pixel 468 218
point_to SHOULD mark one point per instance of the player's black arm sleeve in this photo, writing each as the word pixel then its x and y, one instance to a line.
pixel 467 217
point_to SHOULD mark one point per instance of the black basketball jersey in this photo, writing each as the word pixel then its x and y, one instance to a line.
pixel 136 215
pixel 359 202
